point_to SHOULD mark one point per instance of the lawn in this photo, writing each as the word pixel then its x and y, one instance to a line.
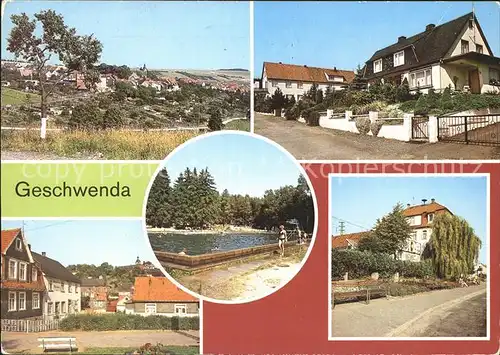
pixel 15 97
pixel 238 125
pixel 113 144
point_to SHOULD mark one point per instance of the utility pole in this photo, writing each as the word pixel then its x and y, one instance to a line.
pixel 342 227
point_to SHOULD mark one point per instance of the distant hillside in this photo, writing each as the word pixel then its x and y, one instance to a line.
pixel 234 69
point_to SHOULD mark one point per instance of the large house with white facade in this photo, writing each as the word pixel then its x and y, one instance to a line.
pixel 63 294
pixel 455 54
pixel 420 218
pixel 296 80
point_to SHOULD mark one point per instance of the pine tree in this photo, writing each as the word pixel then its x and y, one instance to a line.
pixel 158 209
pixel 215 120
pixel 225 216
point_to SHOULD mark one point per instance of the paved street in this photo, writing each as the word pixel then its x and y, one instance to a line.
pixel 416 315
pixel 28 342
pixel 317 143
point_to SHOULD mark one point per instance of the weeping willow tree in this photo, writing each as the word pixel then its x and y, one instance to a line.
pixel 453 248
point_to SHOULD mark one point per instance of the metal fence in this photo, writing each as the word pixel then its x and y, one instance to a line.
pixel 472 129
pixel 28 326
pixel 420 127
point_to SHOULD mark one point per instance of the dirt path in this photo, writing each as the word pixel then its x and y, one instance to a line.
pixel 317 143
pixel 28 342
pixel 8 155
pixel 383 317
pixel 251 279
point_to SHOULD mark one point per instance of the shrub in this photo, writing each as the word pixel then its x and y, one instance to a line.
pixel 121 321
pixel 215 120
pixel 361 264
pixel 112 118
pixel 292 113
pixel 376 126
pixel 363 125
pixel 313 118
pixel 85 116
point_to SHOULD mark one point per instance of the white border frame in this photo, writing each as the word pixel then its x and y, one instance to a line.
pixel 300 170
pixel 412 175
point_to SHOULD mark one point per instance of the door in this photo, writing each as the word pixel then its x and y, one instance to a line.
pixel 475 88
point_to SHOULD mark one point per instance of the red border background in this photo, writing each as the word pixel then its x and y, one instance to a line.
pixel 295 319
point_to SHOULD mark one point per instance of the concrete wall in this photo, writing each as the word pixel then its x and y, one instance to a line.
pixel 194 261
pixel 347 122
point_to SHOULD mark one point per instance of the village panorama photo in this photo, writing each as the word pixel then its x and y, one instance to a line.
pixel 409 256
pixel 230 216
pixel 120 82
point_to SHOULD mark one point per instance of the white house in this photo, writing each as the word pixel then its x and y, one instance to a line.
pixel 420 218
pixel 159 296
pixel 296 80
pixel 106 83
pixel 63 294
pixel 455 54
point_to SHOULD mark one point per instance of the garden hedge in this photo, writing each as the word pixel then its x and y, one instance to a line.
pixel 362 264
pixel 122 321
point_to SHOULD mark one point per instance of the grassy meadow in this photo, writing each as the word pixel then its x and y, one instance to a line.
pixel 112 144
pixel 238 125
pixel 16 97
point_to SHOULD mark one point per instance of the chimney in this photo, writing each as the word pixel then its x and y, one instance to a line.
pixel 433 200
pixel 408 205
pixel 29 247
pixel 44 253
pixel 281 63
pixel 305 66
pixel 424 200
pixel 430 27
pixel 334 68
pixel 401 38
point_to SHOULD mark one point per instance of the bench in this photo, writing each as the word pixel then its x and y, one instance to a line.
pixel 58 343
pixel 367 290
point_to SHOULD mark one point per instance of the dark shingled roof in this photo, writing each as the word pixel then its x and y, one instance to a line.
pixel 54 269
pixel 429 46
pixel 92 282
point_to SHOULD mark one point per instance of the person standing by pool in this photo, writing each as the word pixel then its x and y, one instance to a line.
pixel 282 239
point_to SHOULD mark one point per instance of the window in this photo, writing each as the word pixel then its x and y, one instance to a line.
pixel 69 288
pixel 288 84
pixel 76 288
pixel 418 247
pixel 335 78
pixel 70 308
pixel 150 308
pixel 430 217
pixel 180 309
pixel 413 235
pixel 23 271
pixel 479 48
pixel 275 84
pixel 34 273
pixel 22 301
pixel 424 235
pixel 58 307
pixel 63 307
pixel 399 58
pixel 300 85
pixel 51 285
pixel 36 301
pixel 377 66
pixel 63 287
pixel 19 244
pixel 494 76
pixel 50 308
pixel 299 97
pixel 421 78
pixel 465 46
pixel 12 269
pixel 12 301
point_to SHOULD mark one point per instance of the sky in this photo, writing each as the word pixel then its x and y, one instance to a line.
pixel 118 242
pixel 361 200
pixel 345 34
pixel 173 35
pixel 239 163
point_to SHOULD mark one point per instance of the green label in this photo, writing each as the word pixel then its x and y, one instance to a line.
pixel 75 189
